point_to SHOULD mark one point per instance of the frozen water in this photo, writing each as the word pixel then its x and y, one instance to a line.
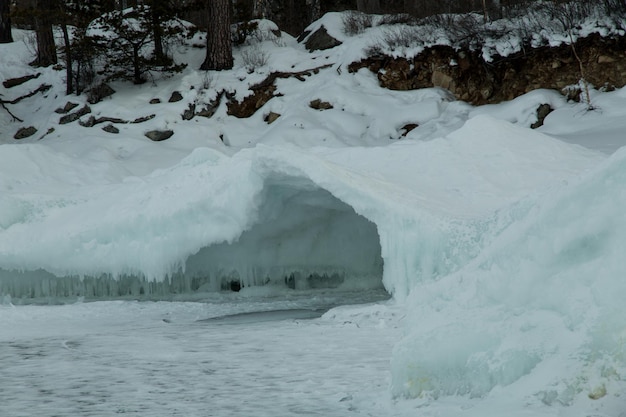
pixel 155 359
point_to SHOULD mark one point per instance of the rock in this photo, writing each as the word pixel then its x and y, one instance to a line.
pixel 542 111
pixel 96 94
pixel 155 101
pixel 144 118
pixel 25 132
pixel 90 122
pixel 111 129
pixel 443 80
pixel 14 82
pixel 303 36
pixel 159 135
pixel 72 117
pixel 597 392
pixel 407 128
pixel 604 59
pixel 110 119
pixel 190 112
pixel 271 117
pixel 320 40
pixel 69 106
pixel 318 104
pixel 176 96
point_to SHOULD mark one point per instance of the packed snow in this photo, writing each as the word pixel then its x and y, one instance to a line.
pixel 501 248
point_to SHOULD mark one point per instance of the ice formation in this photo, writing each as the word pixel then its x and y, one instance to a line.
pixel 549 286
pixel 505 245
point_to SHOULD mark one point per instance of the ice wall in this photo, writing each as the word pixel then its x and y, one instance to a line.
pixel 541 307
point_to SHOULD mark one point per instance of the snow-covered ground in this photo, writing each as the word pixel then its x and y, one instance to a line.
pixel 502 249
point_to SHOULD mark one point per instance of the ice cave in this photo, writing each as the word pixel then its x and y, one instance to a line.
pixel 302 237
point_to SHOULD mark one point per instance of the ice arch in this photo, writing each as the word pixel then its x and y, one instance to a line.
pixel 287 233
pixel 304 237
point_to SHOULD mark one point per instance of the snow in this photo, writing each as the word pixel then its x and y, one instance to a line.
pixel 501 247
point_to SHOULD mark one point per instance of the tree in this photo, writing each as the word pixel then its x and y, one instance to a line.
pixel 46 48
pixel 125 37
pixel 219 54
pixel 78 49
pixel 5 22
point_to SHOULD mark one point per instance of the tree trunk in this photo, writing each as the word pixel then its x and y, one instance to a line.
pixel 219 51
pixel 46 48
pixel 69 82
pixel 155 11
pixel 137 77
pixel 5 22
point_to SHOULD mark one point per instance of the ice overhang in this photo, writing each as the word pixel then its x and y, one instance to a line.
pixel 299 237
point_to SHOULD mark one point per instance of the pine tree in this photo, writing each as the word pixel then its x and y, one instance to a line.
pixel 125 43
pixel 219 55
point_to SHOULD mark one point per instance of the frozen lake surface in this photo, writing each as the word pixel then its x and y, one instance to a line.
pixel 227 357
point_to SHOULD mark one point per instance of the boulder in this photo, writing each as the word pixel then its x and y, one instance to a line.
pixel 69 106
pixel 176 96
pixel 542 112
pixel 72 117
pixel 111 129
pixel 271 117
pixel 159 135
pixel 98 93
pixel 190 112
pixel 320 40
pixel 318 104
pixel 25 132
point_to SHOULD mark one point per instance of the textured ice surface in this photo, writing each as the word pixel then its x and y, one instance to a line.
pixel 155 359
pixel 548 288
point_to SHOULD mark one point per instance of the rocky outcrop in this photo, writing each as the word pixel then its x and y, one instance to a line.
pixel 265 91
pixel 471 79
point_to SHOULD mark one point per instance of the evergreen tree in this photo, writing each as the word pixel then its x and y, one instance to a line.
pixel 125 40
